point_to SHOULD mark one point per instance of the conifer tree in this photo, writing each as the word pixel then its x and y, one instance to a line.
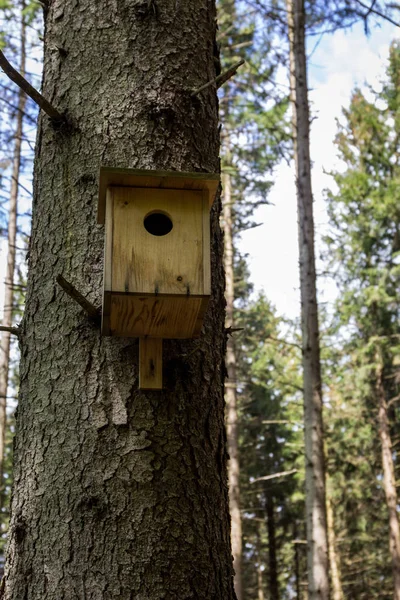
pixel 118 492
pixel 365 218
pixel 11 253
pixel 251 142
pixel 317 536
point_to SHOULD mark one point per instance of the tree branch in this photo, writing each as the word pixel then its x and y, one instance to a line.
pixel 221 79
pixel 30 90
pixel 275 475
pixel 92 311
pixel 13 330
pixel 371 9
pixel 274 339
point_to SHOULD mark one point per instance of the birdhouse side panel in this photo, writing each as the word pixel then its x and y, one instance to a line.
pixel 149 260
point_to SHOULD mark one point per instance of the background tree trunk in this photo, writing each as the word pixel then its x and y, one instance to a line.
pixel 260 583
pixel 273 564
pixel 389 480
pixel 118 493
pixel 318 562
pixel 337 592
pixel 230 389
pixel 11 252
pixel 296 563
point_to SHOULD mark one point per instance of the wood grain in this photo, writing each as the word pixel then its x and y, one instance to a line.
pixel 108 240
pixel 148 264
pixel 206 247
pixel 150 364
pixel 110 176
pixel 173 317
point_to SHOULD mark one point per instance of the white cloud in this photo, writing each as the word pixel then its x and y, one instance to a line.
pixel 341 62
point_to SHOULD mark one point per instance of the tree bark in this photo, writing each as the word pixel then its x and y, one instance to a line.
pixel 389 481
pixel 11 252
pixel 260 583
pixel 118 493
pixel 337 591
pixel 230 389
pixel 318 561
pixel 273 564
pixel 296 563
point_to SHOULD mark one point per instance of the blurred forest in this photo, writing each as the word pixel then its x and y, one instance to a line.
pixel 359 340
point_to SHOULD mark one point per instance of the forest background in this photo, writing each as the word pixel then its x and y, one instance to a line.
pixel 269 374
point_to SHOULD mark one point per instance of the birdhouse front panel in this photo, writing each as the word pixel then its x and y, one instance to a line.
pixel 160 241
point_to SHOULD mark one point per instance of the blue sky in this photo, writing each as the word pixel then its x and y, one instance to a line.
pixel 340 62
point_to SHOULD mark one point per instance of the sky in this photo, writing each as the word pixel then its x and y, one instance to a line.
pixel 338 64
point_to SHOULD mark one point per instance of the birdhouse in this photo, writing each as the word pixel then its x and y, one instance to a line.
pixel 157 278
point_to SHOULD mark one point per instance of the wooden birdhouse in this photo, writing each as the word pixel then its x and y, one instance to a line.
pixel 157 258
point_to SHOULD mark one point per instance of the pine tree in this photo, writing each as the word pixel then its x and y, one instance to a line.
pixel 251 142
pixel 272 450
pixel 118 492
pixel 318 561
pixel 365 218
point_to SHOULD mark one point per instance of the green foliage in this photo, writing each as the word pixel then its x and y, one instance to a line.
pixel 256 132
pixel 271 442
pixel 364 249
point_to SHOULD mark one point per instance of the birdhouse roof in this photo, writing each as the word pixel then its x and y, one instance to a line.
pixel 169 180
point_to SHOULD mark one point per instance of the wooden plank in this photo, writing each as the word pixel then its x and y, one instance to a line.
pixel 105 314
pixel 150 364
pixel 173 317
pixel 108 243
pixel 206 247
pixel 150 264
pixel 110 176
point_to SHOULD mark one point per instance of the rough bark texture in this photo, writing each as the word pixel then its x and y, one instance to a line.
pixel 230 392
pixel 273 565
pixel 118 493
pixel 318 560
pixel 389 481
pixel 11 251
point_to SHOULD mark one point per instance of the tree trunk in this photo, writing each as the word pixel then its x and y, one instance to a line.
pixel 11 251
pixel 119 492
pixel 389 481
pixel 260 583
pixel 230 390
pixel 337 592
pixel 296 563
pixel 318 562
pixel 273 565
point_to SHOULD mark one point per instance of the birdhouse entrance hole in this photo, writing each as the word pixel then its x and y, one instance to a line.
pixel 158 223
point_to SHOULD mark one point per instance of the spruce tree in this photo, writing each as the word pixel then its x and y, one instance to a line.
pixel 118 492
pixel 365 218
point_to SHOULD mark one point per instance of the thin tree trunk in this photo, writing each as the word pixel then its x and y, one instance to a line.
pixel 318 560
pixel 389 480
pixel 273 563
pixel 260 583
pixel 230 388
pixel 119 492
pixel 337 591
pixel 296 563
pixel 11 251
